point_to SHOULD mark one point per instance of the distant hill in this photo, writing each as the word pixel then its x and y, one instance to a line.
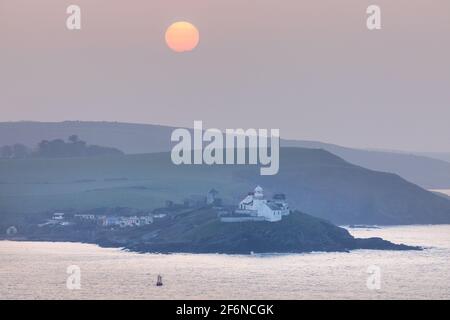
pixel 425 171
pixel 144 138
pixel 57 148
pixel 441 194
pixel 315 181
pixel 130 138
pixel 444 156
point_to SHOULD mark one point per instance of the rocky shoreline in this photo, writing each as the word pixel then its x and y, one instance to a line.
pixel 201 232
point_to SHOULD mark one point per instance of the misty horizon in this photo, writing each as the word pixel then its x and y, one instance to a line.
pixel 312 70
pixel 168 125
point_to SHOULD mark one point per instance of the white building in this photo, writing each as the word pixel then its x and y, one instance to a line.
pixel 124 222
pixel 58 216
pixel 85 216
pixel 255 205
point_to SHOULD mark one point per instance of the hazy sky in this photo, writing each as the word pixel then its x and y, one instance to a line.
pixel 310 68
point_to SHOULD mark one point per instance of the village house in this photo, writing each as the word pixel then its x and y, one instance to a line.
pixel 85 216
pixel 124 222
pixel 58 216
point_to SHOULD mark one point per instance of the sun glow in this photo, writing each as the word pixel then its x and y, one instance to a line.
pixel 182 36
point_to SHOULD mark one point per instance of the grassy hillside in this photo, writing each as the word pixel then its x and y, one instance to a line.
pixel 420 169
pixel 144 138
pixel 138 181
pixel 315 181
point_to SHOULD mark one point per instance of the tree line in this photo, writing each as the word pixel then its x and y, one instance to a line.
pixel 73 147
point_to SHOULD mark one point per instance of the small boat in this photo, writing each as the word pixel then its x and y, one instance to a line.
pixel 159 281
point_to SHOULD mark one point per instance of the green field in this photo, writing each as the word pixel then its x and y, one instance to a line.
pixel 137 181
pixel 315 181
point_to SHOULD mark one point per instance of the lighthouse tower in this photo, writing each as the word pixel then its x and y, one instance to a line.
pixel 259 209
pixel 259 193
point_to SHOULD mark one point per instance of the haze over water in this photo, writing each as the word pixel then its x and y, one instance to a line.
pixel 37 270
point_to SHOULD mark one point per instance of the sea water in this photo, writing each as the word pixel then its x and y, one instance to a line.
pixel 38 270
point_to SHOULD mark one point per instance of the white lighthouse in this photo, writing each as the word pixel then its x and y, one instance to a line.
pixel 255 205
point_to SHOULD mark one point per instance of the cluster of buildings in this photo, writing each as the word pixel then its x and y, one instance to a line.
pixel 124 222
pixel 192 203
pixel 254 207
pixel 103 220
pixel 119 221
pixel 58 218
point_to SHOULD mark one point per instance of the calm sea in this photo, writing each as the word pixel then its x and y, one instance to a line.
pixel 443 191
pixel 37 270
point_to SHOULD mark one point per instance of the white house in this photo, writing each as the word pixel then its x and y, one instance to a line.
pixel 124 222
pixel 58 216
pixel 85 216
pixel 255 205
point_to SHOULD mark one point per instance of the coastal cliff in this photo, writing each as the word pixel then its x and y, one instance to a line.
pixel 201 231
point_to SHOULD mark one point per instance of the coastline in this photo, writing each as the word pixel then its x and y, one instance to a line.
pixel 385 246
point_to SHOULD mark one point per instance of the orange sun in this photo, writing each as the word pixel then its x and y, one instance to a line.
pixel 182 36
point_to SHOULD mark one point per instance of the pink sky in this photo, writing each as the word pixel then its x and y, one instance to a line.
pixel 311 68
